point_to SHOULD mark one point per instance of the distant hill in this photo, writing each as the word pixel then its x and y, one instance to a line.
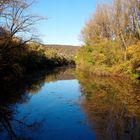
pixel 66 51
pixel 59 46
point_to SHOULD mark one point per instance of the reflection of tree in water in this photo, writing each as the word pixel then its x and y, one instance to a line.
pixel 16 91
pixel 13 92
pixel 62 73
pixel 5 117
pixel 7 122
pixel 112 106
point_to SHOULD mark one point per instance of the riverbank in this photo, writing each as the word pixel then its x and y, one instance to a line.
pixel 15 62
pixel 112 40
pixel 107 59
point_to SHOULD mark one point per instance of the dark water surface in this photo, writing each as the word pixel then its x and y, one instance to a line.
pixel 70 105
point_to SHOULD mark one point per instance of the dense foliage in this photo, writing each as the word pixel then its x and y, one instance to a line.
pixel 112 39
pixel 29 58
pixel 19 51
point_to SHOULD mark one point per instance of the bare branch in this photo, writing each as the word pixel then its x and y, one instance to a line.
pixel 16 19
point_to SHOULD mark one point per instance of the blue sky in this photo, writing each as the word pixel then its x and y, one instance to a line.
pixel 66 18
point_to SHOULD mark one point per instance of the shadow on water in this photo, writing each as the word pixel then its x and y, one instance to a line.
pixel 112 106
pixel 17 91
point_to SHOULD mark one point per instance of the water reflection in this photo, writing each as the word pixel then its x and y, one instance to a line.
pixel 54 105
pixel 112 106
pixel 19 92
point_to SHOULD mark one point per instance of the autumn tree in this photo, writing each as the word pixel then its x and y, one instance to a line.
pixel 118 21
pixel 99 26
pixel 111 38
pixel 17 21
pixel 125 22
pixel 16 31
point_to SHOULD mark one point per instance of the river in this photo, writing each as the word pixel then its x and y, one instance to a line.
pixel 66 104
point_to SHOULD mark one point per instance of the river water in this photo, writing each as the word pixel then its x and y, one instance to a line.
pixel 70 105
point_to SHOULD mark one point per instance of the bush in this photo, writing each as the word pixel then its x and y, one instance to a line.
pixel 134 56
pixel 106 58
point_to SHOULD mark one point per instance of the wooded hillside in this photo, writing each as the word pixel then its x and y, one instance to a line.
pixel 66 51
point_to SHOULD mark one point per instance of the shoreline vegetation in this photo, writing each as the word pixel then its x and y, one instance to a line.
pixel 33 58
pixel 105 69
pixel 20 52
pixel 112 40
